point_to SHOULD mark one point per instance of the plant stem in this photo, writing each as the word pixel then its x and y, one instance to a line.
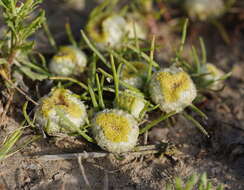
pixel 156 121
pixel 115 78
pixel 82 85
pixel 70 35
pixel 196 123
pixel 92 47
pixel 100 93
pixel 149 74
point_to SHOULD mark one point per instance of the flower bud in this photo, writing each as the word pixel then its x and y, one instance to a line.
pixel 132 102
pixel 69 61
pixel 214 74
pixel 172 89
pixel 115 130
pixel 107 30
pixel 134 78
pixel 204 9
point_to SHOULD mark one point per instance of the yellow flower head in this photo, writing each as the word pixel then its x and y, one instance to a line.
pixel 172 89
pixel 115 130
pixel 60 99
pixel 64 101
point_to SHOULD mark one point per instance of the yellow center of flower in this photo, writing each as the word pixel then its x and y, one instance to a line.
pixel 173 84
pixel 60 99
pixel 115 127
pixel 66 53
pixel 128 72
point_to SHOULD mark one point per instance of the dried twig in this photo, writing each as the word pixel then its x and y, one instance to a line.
pixel 138 151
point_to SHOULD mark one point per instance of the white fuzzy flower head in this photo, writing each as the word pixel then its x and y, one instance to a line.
pixel 132 102
pixel 60 100
pixel 115 130
pixel 204 9
pixel 134 78
pixel 107 30
pixel 69 61
pixel 172 89
pixel 214 74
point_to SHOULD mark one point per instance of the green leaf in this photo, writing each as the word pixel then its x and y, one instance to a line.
pixel 7 146
pixel 33 75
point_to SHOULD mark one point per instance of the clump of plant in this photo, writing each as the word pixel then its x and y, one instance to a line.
pixel 123 86
pixel 15 48
pixel 15 43
pixel 199 182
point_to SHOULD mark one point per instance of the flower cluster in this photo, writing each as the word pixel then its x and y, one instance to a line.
pixel 124 84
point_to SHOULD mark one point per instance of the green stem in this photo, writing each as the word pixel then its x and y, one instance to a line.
pixel 27 118
pixel 82 85
pixel 149 74
pixel 70 34
pixel 204 54
pixel 100 93
pixel 92 94
pixel 156 121
pixel 115 78
pixel 197 110
pixel 92 47
pixel 127 63
pixel 143 55
pixel 183 39
pixel 124 84
pixel 196 123
pixel 50 37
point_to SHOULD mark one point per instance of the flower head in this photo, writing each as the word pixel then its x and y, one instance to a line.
pixel 115 130
pixel 132 102
pixel 106 30
pixel 214 74
pixel 69 61
pixel 60 100
pixel 172 89
pixel 204 9
pixel 132 77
